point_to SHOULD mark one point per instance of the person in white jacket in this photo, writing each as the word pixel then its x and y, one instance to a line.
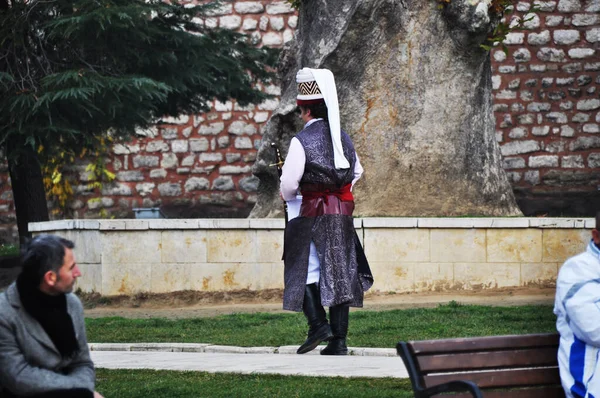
pixel 577 307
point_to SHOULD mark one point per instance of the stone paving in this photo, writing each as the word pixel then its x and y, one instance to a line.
pixel 362 362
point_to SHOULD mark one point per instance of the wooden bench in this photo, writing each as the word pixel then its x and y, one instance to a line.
pixel 519 366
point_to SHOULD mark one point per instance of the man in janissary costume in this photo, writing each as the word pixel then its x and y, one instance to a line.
pixel 324 261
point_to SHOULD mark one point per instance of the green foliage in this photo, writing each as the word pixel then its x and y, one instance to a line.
pixel 71 70
pixel 152 383
pixel 367 328
pixel 507 26
pixel 295 3
pixel 9 250
pixel 499 9
pixel 58 183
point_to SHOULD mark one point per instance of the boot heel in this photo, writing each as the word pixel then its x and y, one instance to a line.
pixel 338 316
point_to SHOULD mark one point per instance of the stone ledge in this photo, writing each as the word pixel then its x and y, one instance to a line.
pixel 51 225
pixel 192 223
pixel 267 223
pixel 278 223
pixel 389 222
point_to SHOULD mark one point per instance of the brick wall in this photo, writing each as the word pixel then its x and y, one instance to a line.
pixel 548 108
pixel 546 102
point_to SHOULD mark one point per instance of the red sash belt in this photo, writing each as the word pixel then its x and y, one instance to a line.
pixel 321 199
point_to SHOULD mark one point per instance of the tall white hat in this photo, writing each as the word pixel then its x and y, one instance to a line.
pixel 315 85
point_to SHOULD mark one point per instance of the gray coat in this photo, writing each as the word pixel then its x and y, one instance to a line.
pixel 29 361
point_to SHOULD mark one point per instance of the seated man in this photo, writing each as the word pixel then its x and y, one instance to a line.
pixel 43 348
pixel 577 307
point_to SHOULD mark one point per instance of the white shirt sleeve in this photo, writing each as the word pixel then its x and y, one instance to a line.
pixel 358 171
pixel 292 170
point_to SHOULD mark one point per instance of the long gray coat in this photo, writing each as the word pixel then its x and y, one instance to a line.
pixel 29 361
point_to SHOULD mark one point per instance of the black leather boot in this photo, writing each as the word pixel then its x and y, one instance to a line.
pixel 338 316
pixel 318 328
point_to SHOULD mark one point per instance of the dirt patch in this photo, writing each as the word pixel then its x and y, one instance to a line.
pixel 180 299
pixel 193 304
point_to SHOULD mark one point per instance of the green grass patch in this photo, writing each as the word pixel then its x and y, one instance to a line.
pixel 367 328
pixel 150 383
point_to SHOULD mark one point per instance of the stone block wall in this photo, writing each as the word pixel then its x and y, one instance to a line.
pixel 405 254
pixel 547 106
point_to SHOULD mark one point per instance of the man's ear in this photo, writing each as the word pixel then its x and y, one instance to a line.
pixel 596 236
pixel 50 278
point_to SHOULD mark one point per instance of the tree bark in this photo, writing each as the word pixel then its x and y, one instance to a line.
pixel 415 95
pixel 28 187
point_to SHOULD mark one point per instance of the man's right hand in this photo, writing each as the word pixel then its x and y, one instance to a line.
pixel 97 395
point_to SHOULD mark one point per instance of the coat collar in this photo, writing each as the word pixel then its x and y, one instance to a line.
pixel 32 326
pixel 593 249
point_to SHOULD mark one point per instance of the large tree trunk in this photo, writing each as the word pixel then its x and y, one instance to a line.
pixel 415 95
pixel 27 186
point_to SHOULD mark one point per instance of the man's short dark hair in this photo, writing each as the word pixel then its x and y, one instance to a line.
pixel 42 254
pixel 318 110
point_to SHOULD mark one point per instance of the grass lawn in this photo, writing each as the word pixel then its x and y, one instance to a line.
pixel 367 328
pixel 150 383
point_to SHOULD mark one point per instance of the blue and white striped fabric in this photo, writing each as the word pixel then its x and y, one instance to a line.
pixel 577 307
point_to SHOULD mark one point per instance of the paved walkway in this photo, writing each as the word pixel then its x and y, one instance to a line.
pixel 362 362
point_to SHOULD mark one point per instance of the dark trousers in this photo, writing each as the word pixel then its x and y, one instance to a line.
pixel 71 393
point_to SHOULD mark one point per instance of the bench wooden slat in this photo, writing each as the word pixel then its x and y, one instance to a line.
pixel 545 392
pixel 488 360
pixel 502 378
pixel 479 343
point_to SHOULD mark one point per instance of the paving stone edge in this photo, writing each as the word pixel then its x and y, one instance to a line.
pixel 210 348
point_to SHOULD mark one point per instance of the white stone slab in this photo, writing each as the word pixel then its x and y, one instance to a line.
pixel 445 223
pixel 374 352
pixel 132 225
pixel 112 225
pixel 110 346
pixel 590 223
pixel 389 222
pixel 183 246
pixel 91 277
pixel 519 222
pixel 224 223
pixel 291 350
pixel 56 225
pixel 580 223
pixel 483 222
pixel 261 350
pixel 86 224
pixel 88 244
pixel 156 347
pixel 191 347
pixel 162 223
pixel 267 223
pixel 225 349
pixel 542 222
